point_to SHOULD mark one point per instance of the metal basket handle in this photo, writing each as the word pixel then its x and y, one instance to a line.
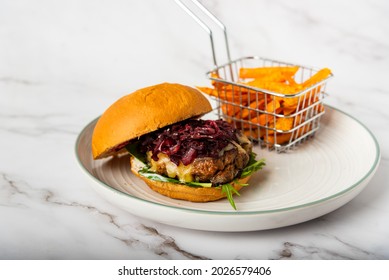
pixel 196 17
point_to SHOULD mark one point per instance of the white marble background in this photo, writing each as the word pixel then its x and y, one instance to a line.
pixel 63 62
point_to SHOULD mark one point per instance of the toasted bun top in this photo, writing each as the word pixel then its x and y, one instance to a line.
pixel 144 111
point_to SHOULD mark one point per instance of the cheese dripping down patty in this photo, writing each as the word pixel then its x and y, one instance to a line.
pixel 181 172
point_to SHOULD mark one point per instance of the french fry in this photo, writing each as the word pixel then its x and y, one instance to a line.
pixel 273 86
pixel 208 91
pixel 249 112
pixel 319 76
pixel 245 73
pixel 254 132
pixel 290 102
pixel 232 94
pixel 273 106
pixel 230 109
pixel 285 124
pixel 279 138
pixel 287 111
pixel 264 119
pixel 283 138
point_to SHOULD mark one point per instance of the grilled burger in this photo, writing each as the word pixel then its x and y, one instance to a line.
pixel 176 153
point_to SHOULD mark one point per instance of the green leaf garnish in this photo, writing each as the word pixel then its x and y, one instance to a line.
pixel 229 190
pixel 199 184
pixel 133 149
pixel 252 166
pixel 145 172
pixel 157 177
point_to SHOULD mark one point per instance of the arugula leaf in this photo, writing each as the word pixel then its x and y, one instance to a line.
pixel 252 166
pixel 158 177
pixel 133 149
pixel 228 189
pixel 199 184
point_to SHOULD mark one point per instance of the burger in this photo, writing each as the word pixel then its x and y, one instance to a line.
pixel 173 150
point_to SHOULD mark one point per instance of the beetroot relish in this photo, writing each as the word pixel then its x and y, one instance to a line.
pixel 185 141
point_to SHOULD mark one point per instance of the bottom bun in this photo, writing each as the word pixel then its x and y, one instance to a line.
pixel 183 192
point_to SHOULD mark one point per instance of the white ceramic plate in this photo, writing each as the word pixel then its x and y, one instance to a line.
pixel 318 177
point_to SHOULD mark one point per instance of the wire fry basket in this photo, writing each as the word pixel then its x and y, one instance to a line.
pixel 276 119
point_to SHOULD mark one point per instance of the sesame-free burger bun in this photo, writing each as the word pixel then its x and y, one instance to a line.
pixel 144 111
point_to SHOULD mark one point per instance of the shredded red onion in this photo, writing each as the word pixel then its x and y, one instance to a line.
pixel 188 140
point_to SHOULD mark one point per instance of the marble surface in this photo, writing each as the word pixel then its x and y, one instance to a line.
pixel 63 62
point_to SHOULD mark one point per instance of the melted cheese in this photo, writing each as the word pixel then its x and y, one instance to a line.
pixel 243 139
pixel 181 172
pixel 230 146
